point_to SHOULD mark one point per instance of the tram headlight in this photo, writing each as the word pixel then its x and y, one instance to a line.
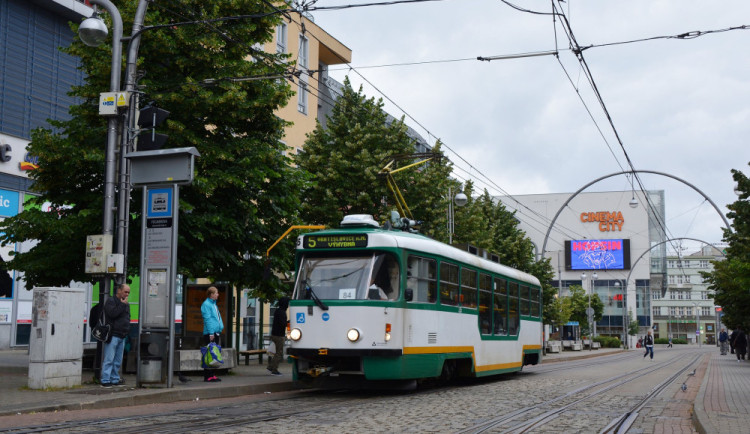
pixel 387 337
pixel 353 335
pixel 295 334
pixel 387 332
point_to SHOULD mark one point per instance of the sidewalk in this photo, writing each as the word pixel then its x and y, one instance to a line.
pixel 16 397
pixel 723 401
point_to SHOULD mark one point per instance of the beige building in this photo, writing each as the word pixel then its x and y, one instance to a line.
pixel 312 50
pixel 686 301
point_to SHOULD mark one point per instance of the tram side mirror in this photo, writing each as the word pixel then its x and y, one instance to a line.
pixel 409 294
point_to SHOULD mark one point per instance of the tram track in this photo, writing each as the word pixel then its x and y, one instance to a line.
pixel 539 414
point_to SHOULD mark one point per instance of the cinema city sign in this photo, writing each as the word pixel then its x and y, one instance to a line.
pixel 608 221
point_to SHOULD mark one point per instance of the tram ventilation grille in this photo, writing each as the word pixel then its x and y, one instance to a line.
pixel 432 338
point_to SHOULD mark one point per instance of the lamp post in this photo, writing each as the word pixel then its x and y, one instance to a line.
pixel 93 32
pixel 460 200
pixel 624 311
pixel 698 324
pixel 589 310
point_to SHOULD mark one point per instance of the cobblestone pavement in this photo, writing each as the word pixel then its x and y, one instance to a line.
pixel 461 406
pixel 723 407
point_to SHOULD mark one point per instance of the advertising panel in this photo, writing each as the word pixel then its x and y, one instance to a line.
pixel 597 254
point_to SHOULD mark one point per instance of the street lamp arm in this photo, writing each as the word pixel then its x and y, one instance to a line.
pixel 114 78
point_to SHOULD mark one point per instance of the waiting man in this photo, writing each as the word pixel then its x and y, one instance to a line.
pixel 117 313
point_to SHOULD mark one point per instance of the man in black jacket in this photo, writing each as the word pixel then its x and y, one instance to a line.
pixel 117 313
pixel 278 335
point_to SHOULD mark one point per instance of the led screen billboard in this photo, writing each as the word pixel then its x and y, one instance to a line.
pixel 597 255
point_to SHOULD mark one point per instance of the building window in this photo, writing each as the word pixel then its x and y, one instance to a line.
pixel 303 52
pixel 706 311
pixel 302 97
pixel 672 311
pixel 704 264
pixel 656 311
pixel 281 38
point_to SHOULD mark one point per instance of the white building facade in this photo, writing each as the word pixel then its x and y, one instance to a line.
pixel 610 243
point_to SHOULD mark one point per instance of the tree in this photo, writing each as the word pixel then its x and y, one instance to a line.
pixel 580 301
pixel 344 159
pixel 730 278
pixel 560 311
pixel 244 192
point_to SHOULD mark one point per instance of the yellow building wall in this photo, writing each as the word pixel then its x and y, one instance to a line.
pixel 322 47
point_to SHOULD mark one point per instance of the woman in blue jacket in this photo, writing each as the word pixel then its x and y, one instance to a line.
pixel 212 326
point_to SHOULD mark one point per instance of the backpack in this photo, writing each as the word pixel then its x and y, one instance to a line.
pixel 94 314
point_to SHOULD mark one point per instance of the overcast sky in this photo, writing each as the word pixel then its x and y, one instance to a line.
pixel 680 106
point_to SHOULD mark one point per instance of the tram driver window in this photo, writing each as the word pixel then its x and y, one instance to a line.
pixel 384 282
pixel 422 279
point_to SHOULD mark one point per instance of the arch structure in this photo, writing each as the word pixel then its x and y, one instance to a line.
pixel 632 267
pixel 554 219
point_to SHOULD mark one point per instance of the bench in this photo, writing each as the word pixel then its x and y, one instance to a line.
pixel 576 346
pixel 553 347
pixel 248 353
pixel 596 345
pixel 567 345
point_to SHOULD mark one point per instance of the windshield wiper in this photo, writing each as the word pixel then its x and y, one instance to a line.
pixel 311 294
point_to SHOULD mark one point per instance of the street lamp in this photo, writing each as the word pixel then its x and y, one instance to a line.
pixel 589 310
pixel 624 311
pixel 460 200
pixel 698 325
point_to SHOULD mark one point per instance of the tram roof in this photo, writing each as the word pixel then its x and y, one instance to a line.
pixel 378 237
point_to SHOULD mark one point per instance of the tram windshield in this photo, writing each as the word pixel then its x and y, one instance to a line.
pixel 370 276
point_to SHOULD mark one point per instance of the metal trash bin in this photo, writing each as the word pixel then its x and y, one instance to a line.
pixel 151 370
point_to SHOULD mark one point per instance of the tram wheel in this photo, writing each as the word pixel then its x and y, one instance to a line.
pixel 448 372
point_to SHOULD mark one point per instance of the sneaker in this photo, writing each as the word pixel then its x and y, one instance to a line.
pixel 269 369
pixel 275 372
pixel 119 383
pixel 108 385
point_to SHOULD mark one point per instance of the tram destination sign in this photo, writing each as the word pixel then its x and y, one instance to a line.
pixel 335 241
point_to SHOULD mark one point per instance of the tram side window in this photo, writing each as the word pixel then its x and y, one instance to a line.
pixel 535 305
pixel 485 304
pixel 501 308
pixel 525 301
pixel 468 288
pixel 422 279
pixel 514 321
pixel 448 284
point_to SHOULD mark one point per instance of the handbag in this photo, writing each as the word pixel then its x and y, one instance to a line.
pixel 211 356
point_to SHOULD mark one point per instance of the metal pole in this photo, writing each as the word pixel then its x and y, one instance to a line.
pixel 123 210
pixel 109 153
pixel 450 217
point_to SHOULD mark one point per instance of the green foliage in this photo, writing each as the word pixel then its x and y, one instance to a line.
pixel 344 159
pixel 608 341
pixel 580 302
pixel 632 324
pixel 560 310
pixel 245 192
pixel 675 341
pixel 730 278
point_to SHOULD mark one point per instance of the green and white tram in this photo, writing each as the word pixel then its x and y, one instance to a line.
pixel 379 305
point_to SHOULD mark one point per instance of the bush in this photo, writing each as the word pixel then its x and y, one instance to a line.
pixel 608 341
pixel 674 341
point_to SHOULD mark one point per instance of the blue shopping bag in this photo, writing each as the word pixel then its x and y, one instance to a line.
pixel 211 356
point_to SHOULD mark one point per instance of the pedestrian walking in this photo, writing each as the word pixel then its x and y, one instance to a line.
pixel 117 311
pixel 723 341
pixel 740 344
pixel 212 327
pixel 648 342
pixel 731 340
pixel 278 335
pixel 670 342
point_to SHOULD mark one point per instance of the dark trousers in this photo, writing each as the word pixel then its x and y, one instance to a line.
pixel 649 349
pixel 208 373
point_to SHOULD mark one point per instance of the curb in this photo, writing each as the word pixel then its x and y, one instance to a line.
pixel 158 397
pixel 700 418
pixel 582 356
